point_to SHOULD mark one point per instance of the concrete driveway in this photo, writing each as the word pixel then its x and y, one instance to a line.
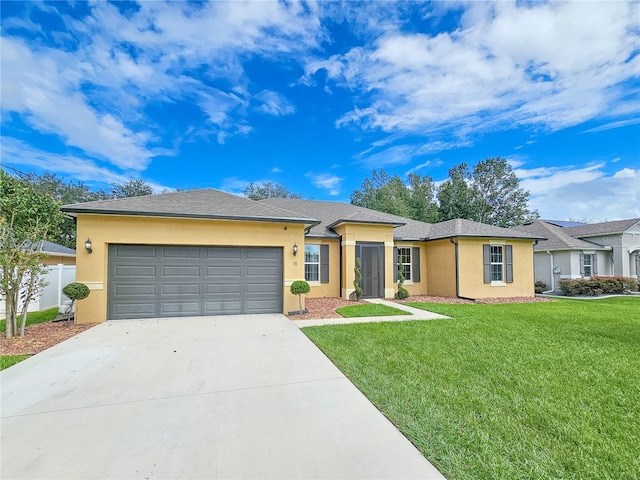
pixel 200 397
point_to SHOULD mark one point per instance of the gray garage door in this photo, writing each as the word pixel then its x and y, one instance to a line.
pixel 149 281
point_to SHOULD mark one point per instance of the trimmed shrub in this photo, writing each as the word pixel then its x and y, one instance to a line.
pixel 300 287
pixel 540 287
pixel 356 295
pixel 76 291
pixel 595 286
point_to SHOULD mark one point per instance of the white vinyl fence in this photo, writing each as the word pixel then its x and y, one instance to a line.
pixel 56 278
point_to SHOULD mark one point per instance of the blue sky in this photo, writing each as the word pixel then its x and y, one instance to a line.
pixel 317 95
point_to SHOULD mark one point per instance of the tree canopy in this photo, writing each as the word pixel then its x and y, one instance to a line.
pixel 262 190
pixel 391 195
pixel 489 193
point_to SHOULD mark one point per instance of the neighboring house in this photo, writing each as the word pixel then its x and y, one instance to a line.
pixel 573 250
pixel 61 262
pixel 206 252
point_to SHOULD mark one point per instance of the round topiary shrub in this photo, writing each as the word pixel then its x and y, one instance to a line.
pixel 300 287
pixel 76 291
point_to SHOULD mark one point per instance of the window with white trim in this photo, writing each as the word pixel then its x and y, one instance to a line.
pixel 587 266
pixel 497 269
pixel 404 259
pixel 312 263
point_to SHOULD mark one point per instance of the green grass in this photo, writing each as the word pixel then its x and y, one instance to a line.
pixel 34 317
pixel 514 391
pixel 7 361
pixel 369 310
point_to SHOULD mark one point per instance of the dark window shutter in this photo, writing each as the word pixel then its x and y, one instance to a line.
pixel 415 259
pixel 509 263
pixel 582 264
pixel 638 264
pixel 324 263
pixel 395 264
pixel 486 256
pixel 594 264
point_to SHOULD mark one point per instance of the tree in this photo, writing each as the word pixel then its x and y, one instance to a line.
pixel 75 291
pixel 132 188
pixel 391 195
pixel 27 218
pixel 490 194
pixel 262 190
pixel 66 193
pixel 455 196
pixel 499 200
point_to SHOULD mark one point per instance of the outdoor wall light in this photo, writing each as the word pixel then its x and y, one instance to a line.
pixel 87 245
pixel 295 249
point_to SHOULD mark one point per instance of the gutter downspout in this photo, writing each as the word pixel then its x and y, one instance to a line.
pixel 553 287
pixel 458 273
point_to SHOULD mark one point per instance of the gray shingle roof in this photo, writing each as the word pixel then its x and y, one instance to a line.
pixel 603 228
pixel 55 249
pixel 557 238
pixel 206 203
pixel 460 227
pixel 331 213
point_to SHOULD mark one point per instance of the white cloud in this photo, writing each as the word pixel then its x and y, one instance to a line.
pixel 502 68
pixel 276 170
pixel 612 125
pixel 326 181
pixel 583 192
pixel 273 103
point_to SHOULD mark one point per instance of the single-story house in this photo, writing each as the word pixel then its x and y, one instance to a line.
pixel 576 250
pixel 206 252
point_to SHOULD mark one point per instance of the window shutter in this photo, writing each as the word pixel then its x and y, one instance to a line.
pixel 594 264
pixel 395 264
pixel 509 263
pixel 638 264
pixel 582 264
pixel 324 263
pixel 415 259
pixel 486 255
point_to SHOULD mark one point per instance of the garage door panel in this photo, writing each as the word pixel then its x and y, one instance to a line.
pixel 134 290
pixel 226 271
pixel 135 271
pixel 185 289
pixel 185 280
pixel 188 253
pixel 179 308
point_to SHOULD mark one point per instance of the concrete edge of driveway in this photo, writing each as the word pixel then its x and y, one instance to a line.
pixel 414 314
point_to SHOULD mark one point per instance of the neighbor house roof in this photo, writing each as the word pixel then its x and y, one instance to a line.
pixel 603 228
pixel 557 237
pixel 55 249
pixel 332 214
pixel 207 203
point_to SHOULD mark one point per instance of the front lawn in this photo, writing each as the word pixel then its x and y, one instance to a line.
pixel 512 391
pixel 369 310
pixel 7 361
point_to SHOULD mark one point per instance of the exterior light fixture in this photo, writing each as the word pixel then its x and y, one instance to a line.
pixel 87 245
pixel 295 249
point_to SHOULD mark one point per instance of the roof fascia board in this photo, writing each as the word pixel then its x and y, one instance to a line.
pixel 364 222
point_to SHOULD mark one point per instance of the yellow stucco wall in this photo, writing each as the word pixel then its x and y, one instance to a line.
pixel 106 229
pixel 331 289
pixel 417 288
pixel 352 233
pixel 59 259
pixel 441 267
pixel 472 276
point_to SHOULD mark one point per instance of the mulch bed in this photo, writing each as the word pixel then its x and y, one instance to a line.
pixel 40 336
pixel 487 301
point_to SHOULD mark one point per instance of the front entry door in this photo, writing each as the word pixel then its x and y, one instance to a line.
pixel 372 258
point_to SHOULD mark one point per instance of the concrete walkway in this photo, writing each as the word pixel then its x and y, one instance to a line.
pixel 199 398
pixel 412 314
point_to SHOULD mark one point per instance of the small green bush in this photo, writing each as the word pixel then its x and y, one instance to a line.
pixel 540 286
pixel 356 295
pixel 76 291
pixel 300 287
pixel 595 286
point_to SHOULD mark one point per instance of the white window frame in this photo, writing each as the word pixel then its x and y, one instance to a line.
pixel 588 266
pixel 406 265
pixel 499 250
pixel 316 249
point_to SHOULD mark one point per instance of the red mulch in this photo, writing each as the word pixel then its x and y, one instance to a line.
pixel 491 301
pixel 40 336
